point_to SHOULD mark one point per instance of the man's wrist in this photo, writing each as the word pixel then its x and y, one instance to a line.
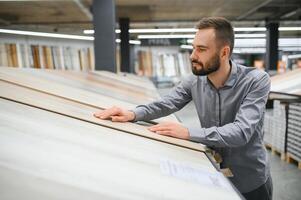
pixel 132 116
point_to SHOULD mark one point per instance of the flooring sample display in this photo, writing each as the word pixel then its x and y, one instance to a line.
pixel 289 82
pixel 64 90
pixel 44 155
pixel 81 111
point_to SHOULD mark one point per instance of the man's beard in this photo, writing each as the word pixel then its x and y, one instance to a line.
pixel 211 66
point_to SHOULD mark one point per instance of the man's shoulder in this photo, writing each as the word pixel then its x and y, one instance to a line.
pixel 190 79
pixel 252 73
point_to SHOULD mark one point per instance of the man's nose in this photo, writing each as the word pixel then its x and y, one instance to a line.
pixel 192 55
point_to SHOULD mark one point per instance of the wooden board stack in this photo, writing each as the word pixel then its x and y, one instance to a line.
pixel 51 146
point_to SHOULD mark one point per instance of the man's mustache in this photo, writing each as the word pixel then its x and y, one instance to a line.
pixel 196 62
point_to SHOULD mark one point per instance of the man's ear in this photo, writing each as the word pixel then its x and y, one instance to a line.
pixel 225 52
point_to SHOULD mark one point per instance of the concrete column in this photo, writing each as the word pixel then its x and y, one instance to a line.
pixel 104 33
pixel 124 45
pixel 272 46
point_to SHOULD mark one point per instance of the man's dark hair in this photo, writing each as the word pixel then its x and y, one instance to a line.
pixel 223 30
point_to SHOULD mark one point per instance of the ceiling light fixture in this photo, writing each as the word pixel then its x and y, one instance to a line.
pixel 192 30
pixel 42 34
pixel 56 35
pixel 131 41
pixel 186 46
pixel 164 30
pixel 289 28
pixel 164 36
pixel 247 29
pixel 250 35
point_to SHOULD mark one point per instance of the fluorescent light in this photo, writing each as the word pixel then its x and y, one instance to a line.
pixel 164 36
pixel 242 29
pixel 261 42
pixel 192 36
pixel 294 56
pixel 249 50
pixel 90 32
pixel 289 28
pixel 251 42
pixel 186 46
pixel 164 30
pixel 290 42
pixel 193 30
pixel 189 41
pixel 42 34
pixel 290 48
pixel 135 42
pixel 250 35
pixel 131 41
pixel 56 35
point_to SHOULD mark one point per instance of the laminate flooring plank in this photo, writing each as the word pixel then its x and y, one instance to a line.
pixel 112 85
pixel 115 87
pixel 91 82
pixel 130 79
pixel 125 80
pixel 85 81
pixel 53 154
pixel 134 77
pixel 79 95
pixel 83 112
pixel 289 82
pixel 286 76
pixel 66 91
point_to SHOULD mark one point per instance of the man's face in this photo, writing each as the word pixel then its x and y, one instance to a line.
pixel 205 55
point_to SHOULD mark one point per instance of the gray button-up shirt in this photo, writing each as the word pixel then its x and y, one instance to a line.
pixel 231 118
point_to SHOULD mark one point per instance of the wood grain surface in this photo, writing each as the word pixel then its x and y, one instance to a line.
pixel 67 91
pixel 44 155
pixel 288 82
pixel 83 112
pixel 145 85
pixel 88 82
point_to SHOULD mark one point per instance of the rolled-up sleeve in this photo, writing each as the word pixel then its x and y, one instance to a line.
pixel 247 119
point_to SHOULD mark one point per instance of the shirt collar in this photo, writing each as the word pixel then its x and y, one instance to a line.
pixel 232 77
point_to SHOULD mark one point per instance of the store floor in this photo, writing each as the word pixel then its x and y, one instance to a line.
pixel 286 177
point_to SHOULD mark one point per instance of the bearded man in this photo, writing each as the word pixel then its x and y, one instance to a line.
pixel 230 101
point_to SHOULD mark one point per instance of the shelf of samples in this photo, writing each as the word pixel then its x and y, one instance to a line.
pixel 45 53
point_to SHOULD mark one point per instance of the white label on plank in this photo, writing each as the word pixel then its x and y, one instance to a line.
pixel 193 174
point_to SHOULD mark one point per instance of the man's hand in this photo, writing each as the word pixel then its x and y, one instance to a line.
pixel 171 129
pixel 116 114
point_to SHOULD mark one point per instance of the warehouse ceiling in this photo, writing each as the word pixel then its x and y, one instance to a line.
pixel 74 16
